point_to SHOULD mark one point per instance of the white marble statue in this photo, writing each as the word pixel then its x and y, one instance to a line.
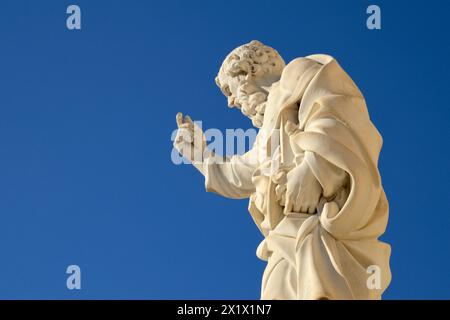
pixel 311 176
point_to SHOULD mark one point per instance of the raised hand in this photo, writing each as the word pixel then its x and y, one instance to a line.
pixel 190 140
pixel 301 191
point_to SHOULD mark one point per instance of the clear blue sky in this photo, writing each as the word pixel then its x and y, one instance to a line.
pixel 86 118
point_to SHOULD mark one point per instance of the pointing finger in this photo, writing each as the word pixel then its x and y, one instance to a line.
pixel 179 118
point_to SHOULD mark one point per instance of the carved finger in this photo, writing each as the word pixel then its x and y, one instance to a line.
pixel 298 202
pixel 179 118
pixel 304 209
pixel 188 119
pixel 297 206
pixel 289 205
pixel 312 210
pixel 283 200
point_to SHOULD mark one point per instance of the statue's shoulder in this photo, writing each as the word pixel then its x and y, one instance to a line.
pixel 294 70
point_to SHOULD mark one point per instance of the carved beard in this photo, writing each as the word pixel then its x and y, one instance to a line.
pixel 253 106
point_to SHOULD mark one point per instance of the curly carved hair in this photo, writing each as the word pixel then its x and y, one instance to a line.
pixel 252 60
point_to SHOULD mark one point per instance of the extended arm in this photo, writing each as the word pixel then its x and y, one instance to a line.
pixel 230 177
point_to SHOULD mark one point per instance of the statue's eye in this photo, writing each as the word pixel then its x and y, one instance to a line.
pixel 226 91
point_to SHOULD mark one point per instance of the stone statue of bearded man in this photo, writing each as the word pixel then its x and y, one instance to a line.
pixel 311 176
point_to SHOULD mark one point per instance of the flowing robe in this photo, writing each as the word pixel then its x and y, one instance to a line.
pixel 324 255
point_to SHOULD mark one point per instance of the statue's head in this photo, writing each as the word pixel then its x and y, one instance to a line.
pixel 246 76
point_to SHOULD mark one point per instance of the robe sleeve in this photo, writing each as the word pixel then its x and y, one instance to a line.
pixel 230 177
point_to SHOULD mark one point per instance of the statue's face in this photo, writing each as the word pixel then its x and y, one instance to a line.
pixel 246 95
